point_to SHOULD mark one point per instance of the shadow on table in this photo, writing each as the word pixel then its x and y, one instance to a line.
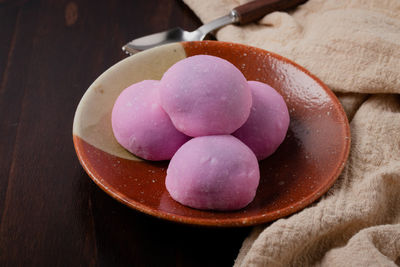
pixel 122 236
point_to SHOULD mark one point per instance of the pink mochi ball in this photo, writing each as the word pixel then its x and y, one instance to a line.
pixel 205 95
pixel 268 122
pixel 141 126
pixel 215 172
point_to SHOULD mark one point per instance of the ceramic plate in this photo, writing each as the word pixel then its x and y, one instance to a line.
pixel 302 169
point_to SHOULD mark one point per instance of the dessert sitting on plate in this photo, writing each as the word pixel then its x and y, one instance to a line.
pixel 233 121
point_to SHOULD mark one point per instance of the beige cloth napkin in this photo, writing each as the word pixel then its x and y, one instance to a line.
pixel 354 47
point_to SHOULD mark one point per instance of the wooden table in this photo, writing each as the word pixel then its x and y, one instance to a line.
pixel 51 213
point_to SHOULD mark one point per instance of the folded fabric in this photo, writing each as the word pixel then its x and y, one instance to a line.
pixel 354 47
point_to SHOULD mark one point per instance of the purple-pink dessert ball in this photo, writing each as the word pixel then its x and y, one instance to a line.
pixel 215 172
pixel 205 95
pixel 141 126
pixel 268 122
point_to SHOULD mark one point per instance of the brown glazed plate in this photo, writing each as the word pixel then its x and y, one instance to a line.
pixel 303 168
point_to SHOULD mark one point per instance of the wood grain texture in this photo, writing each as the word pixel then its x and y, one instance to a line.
pixel 255 10
pixel 51 213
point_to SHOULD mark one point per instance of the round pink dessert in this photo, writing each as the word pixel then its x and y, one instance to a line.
pixel 215 172
pixel 141 126
pixel 205 95
pixel 268 122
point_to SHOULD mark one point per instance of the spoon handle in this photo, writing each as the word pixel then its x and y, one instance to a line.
pixel 255 10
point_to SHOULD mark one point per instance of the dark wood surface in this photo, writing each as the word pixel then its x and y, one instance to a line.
pixel 51 213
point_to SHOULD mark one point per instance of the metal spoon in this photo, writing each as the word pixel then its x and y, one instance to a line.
pixel 239 15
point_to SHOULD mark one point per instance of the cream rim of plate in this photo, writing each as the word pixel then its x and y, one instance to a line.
pixel 92 121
